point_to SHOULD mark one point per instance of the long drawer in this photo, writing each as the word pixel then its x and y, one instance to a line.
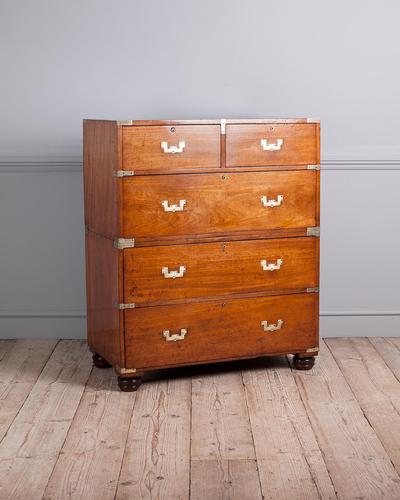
pixel 178 147
pixel 209 331
pixel 185 204
pixel 271 144
pixel 159 274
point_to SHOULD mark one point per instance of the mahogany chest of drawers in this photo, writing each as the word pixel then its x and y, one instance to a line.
pixel 202 242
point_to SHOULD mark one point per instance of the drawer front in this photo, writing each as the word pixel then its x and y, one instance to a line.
pixel 159 274
pixel 271 144
pixel 208 331
pixel 175 205
pixel 178 146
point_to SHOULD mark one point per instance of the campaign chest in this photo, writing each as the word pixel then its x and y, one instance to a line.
pixel 202 242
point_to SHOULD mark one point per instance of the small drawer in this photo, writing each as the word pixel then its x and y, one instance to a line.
pixel 202 204
pixel 216 331
pixel 180 272
pixel 261 145
pixel 170 147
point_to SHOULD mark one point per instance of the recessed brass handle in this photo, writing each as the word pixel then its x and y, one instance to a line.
pixel 272 203
pixel 175 336
pixel 273 146
pixel 273 326
pixel 271 266
pixel 173 149
pixel 173 274
pixel 173 208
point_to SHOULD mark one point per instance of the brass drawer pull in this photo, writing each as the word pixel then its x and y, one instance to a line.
pixel 273 146
pixel 173 274
pixel 173 208
pixel 273 326
pixel 271 266
pixel 272 203
pixel 173 149
pixel 175 336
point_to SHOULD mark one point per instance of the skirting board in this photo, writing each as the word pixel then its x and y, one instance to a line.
pixel 360 326
pixel 75 327
pixel 50 327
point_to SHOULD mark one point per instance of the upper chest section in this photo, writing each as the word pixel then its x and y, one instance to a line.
pixel 176 146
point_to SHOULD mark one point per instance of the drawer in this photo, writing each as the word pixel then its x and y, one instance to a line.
pixel 272 144
pixel 179 272
pixel 208 331
pixel 178 147
pixel 200 204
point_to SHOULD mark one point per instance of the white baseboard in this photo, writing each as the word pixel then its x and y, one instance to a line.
pixel 360 326
pixel 49 327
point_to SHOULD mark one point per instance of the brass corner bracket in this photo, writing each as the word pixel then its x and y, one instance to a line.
pixel 124 371
pixel 121 243
pixel 313 231
pixel 125 122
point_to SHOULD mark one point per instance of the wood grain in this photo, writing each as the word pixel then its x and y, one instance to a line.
pixel 357 462
pixel 103 294
pixel 224 480
pixel 218 203
pixel 220 425
pixel 243 144
pixel 6 346
pixel 219 330
pixel 141 147
pixel 71 437
pixel 90 460
pixel 389 349
pixel 213 269
pixel 31 446
pixel 376 388
pixel 101 188
pixel 222 450
pixel 289 460
pixel 157 457
pixel 21 362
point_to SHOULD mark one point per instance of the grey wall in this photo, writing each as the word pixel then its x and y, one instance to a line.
pixel 62 61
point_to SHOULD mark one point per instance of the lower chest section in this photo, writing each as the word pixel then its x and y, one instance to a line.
pixel 224 266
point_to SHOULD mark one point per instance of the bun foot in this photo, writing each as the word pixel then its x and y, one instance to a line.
pixel 129 384
pixel 100 362
pixel 303 363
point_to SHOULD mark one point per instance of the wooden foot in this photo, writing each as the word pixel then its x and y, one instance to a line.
pixel 129 384
pixel 100 362
pixel 303 363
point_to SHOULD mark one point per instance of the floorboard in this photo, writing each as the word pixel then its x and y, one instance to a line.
pixel 156 463
pixel 375 387
pixel 90 460
pixel 225 480
pixel 34 440
pixel 246 430
pixel 220 419
pixel 21 363
pixel 357 461
pixel 289 460
pixel 389 349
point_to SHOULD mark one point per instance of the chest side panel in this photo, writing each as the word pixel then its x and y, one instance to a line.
pixel 101 188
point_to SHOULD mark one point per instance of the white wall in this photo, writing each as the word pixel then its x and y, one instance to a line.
pixel 62 61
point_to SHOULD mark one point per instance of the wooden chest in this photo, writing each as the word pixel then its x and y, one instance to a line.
pixel 202 242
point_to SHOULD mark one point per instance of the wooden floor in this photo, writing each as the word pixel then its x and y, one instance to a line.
pixel 248 430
